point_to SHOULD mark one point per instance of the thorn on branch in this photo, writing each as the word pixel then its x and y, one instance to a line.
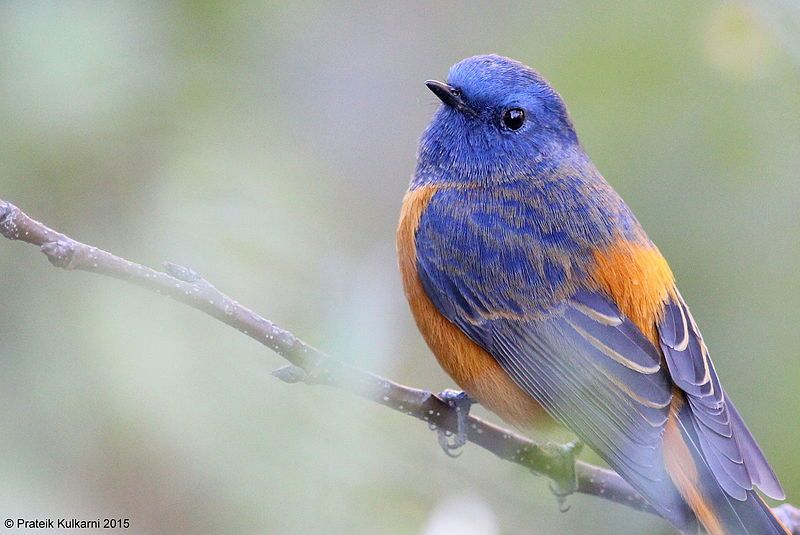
pixel 291 374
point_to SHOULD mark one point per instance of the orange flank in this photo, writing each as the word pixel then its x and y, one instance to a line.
pixel 683 471
pixel 472 368
pixel 638 279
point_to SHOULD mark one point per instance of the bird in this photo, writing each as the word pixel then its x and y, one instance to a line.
pixel 540 294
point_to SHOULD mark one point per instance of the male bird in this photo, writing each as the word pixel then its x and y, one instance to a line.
pixel 541 295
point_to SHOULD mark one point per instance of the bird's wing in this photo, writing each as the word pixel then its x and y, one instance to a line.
pixel 585 363
pixel 505 281
pixel 729 448
pixel 490 270
pixel 596 373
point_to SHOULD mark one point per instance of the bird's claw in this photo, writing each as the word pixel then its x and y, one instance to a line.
pixel 561 496
pixel 449 443
pixel 452 442
pixel 567 482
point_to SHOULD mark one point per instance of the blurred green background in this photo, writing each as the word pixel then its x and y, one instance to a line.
pixel 269 147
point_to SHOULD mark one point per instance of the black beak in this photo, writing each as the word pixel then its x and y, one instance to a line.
pixel 444 92
pixel 449 95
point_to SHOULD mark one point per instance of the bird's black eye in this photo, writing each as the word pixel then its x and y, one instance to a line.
pixel 514 118
pixel 455 92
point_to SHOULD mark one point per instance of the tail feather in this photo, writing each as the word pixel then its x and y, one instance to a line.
pixel 717 511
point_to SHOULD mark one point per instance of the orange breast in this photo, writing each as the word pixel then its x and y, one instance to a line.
pixel 472 368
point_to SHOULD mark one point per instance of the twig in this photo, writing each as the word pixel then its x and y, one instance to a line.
pixel 311 366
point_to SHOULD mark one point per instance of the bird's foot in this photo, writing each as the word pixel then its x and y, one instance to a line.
pixel 452 442
pixel 566 482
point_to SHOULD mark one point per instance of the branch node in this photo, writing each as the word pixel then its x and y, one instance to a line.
pixel 60 253
pixel 8 226
pixel 181 273
pixel 284 338
pixel 291 374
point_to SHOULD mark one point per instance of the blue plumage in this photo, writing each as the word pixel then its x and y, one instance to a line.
pixel 505 238
pixel 476 148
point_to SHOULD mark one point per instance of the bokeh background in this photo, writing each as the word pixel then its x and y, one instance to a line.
pixel 269 146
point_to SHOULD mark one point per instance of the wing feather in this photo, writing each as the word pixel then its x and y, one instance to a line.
pixel 730 449
pixel 584 363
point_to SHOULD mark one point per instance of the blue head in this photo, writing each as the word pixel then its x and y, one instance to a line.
pixel 498 118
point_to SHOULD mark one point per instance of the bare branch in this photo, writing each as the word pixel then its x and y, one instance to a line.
pixel 311 366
